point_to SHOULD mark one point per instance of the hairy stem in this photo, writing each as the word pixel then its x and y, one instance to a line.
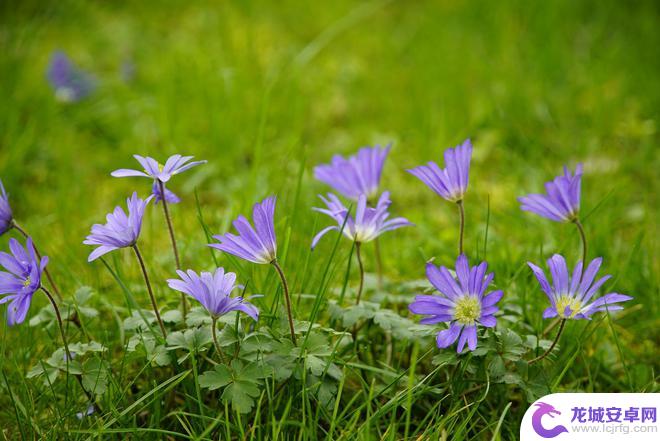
pixel 461 213
pixel 170 228
pixel 287 299
pixel 151 293
pixel 552 346
pixel 379 263
pixel 214 322
pixel 69 356
pixel 36 250
pixel 584 242
pixel 361 266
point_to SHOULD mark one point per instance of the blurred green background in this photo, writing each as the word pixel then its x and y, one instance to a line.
pixel 264 90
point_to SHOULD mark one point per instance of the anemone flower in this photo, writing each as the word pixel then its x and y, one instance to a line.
pixel 21 279
pixel 368 223
pixel 154 170
pixel 213 291
pixel 170 196
pixel 562 201
pixel 120 231
pixel 570 295
pixel 452 181
pixel 258 244
pixel 70 83
pixel 358 175
pixel 6 216
pixel 461 302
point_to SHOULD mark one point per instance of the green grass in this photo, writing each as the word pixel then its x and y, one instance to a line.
pixel 266 90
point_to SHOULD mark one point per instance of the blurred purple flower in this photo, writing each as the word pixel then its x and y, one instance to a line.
pixel 213 292
pixel 153 169
pixel 22 279
pixel 462 302
pixel 170 197
pixel 451 182
pixel 256 244
pixel 357 175
pixel 368 224
pixel 6 216
pixel 89 411
pixel 562 202
pixel 569 296
pixel 120 231
pixel 70 83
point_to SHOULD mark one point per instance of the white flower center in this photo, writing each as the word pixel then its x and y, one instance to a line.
pixel 467 310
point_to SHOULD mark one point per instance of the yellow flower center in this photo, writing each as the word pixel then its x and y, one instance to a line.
pixel 27 282
pixel 571 302
pixel 467 310
pixel 160 167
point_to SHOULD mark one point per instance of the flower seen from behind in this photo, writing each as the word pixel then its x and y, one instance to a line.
pixel 561 203
pixel 256 244
pixel 120 230
pixel 358 175
pixel 153 169
pixel 450 182
pixel 6 216
pixel 213 291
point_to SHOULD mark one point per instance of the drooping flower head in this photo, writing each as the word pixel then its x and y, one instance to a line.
pixel 153 169
pixel 368 223
pixel 170 196
pixel 256 244
pixel 6 216
pixel 450 182
pixel 21 279
pixel 562 201
pixel 70 83
pixel 570 296
pixel 357 175
pixel 213 291
pixel 120 230
pixel 461 302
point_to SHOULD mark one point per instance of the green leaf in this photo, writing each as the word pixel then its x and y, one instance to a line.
pixel 82 295
pixel 215 379
pixel 496 367
pixel 95 376
pixel 241 395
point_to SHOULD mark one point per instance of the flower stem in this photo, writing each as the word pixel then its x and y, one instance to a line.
pixel 170 228
pixel 214 321
pixel 584 242
pixel 48 276
pixel 69 357
pixel 287 299
pixel 552 346
pixel 379 263
pixel 461 213
pixel 151 293
pixel 361 266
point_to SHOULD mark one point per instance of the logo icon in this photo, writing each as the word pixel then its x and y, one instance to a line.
pixel 546 409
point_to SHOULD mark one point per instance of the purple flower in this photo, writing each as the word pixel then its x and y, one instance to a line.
pixel 357 175
pixel 213 292
pixel 462 302
pixel 256 244
pixel 451 182
pixel 70 83
pixel 153 169
pixel 562 202
pixel 569 296
pixel 368 224
pixel 170 197
pixel 22 279
pixel 6 216
pixel 120 231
